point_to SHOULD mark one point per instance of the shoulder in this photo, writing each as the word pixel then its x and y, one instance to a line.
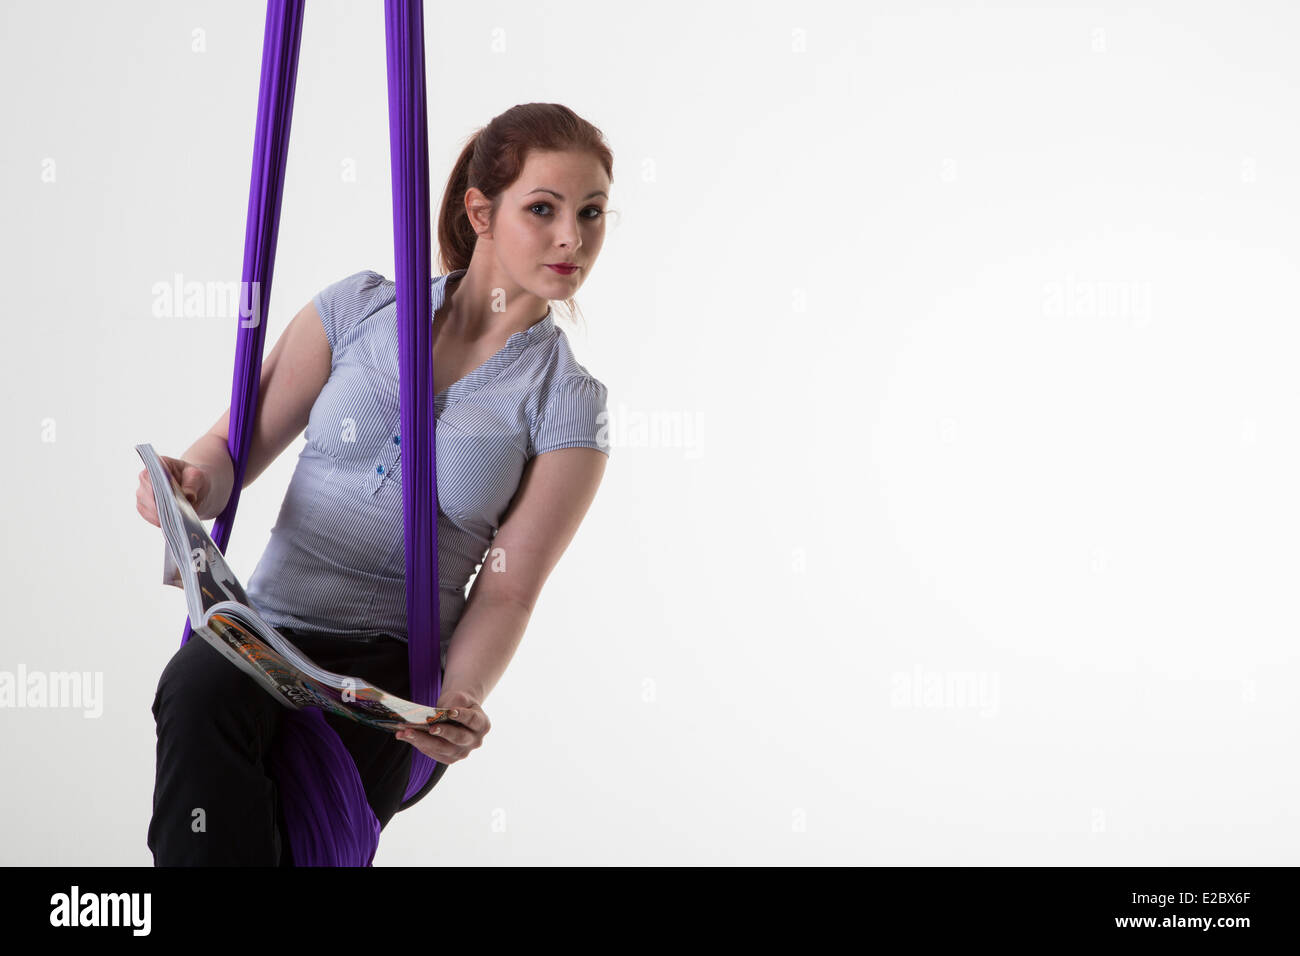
pixel 345 304
pixel 572 405
pixel 564 378
pixel 577 385
pixel 365 282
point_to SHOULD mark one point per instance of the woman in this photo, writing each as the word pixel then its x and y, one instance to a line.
pixel 521 451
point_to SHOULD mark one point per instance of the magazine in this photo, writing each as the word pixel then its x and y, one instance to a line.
pixel 221 613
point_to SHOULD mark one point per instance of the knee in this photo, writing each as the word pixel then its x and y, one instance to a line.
pixel 198 683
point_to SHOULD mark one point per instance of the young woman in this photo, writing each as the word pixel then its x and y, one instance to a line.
pixel 521 451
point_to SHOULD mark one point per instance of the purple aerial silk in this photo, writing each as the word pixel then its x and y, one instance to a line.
pixel 408 136
pixel 329 820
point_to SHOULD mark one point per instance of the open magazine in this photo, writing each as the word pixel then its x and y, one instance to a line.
pixel 221 614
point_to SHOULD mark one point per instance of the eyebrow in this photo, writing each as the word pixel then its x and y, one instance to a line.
pixel 543 189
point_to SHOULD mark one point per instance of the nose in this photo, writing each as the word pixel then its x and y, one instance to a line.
pixel 569 237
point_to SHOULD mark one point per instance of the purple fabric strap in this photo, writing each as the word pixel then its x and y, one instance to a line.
pixel 408 135
pixel 329 820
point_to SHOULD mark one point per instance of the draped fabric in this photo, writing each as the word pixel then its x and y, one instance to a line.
pixel 409 148
pixel 329 821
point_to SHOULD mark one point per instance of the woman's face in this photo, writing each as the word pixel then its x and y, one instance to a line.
pixel 554 213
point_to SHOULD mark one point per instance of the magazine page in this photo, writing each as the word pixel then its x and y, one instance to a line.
pixel 194 554
pixel 171 572
pixel 304 682
pixel 253 621
pixel 221 613
pixel 252 658
pixel 176 565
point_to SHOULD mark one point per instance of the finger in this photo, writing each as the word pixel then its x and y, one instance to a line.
pixel 454 737
pixel 453 733
pixel 198 483
pixel 470 717
pixel 434 747
pixel 144 504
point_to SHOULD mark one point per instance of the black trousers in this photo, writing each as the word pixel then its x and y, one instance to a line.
pixel 215 724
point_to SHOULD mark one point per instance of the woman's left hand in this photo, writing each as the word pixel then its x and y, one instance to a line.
pixel 451 740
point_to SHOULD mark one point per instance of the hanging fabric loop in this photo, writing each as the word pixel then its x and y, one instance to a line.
pixel 409 151
pixel 329 820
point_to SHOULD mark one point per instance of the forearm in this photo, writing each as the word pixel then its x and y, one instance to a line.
pixel 213 455
pixel 486 638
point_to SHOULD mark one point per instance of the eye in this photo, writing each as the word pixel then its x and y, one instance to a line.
pixel 592 209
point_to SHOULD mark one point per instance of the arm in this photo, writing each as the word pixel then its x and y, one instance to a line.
pixel 292 378
pixel 554 493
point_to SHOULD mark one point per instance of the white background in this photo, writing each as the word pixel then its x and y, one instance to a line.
pixel 976 330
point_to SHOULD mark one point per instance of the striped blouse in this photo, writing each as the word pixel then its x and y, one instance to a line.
pixel 336 560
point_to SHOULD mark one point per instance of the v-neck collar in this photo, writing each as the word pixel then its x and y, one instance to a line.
pixel 498 361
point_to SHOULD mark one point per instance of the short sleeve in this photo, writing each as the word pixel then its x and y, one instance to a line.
pixel 343 304
pixel 576 415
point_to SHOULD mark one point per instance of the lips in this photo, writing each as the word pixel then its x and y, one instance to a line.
pixel 563 270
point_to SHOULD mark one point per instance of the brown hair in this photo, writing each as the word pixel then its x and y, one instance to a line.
pixel 493 158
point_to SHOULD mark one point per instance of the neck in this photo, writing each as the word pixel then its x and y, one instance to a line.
pixel 467 302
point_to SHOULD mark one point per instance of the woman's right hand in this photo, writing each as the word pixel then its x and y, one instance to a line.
pixel 192 478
